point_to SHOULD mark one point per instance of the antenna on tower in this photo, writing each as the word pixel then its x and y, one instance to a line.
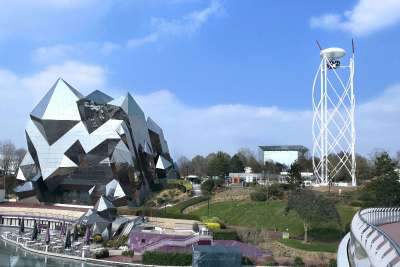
pixel 352 45
pixel 319 46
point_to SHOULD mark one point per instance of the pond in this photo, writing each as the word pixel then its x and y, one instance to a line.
pixel 12 256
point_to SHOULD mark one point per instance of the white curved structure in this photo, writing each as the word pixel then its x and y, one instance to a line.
pixel 333 126
pixel 372 239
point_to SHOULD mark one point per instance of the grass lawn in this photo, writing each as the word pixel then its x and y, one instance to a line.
pixel 270 215
pixel 313 246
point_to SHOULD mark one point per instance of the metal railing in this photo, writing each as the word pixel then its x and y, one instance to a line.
pixel 176 243
pixel 381 249
pixel 38 215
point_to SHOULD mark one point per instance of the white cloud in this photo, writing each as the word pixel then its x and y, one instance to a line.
pixel 366 17
pixel 192 130
pixel 62 52
pixel 19 94
pixel 185 26
pixel 200 130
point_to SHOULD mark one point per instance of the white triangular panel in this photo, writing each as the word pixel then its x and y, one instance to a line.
pixel 20 175
pixel 162 163
pixel 59 103
pixel 119 192
pixel 67 163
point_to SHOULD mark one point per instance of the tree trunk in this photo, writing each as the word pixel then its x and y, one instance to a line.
pixel 305 232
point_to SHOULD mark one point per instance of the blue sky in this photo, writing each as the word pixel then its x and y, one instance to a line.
pixel 215 74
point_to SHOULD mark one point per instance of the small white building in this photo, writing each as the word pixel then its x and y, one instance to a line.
pixel 247 176
pixel 285 155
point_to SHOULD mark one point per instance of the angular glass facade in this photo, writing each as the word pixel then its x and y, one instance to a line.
pixel 78 144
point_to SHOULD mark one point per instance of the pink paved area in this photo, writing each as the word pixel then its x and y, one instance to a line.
pixel 393 230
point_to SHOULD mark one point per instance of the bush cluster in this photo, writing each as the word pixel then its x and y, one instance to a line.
pixel 213 226
pixel 191 202
pixel 102 253
pixel 298 262
pixel 128 253
pixel 246 261
pixel 217 220
pixel 97 238
pixel 225 234
pixel 116 243
pixel 148 212
pixel 258 196
pixel 164 258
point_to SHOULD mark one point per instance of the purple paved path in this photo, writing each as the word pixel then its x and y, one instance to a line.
pixel 393 230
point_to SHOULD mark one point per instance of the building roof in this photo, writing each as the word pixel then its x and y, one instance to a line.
pixel 284 148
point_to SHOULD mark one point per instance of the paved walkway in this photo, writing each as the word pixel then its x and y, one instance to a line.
pixel 41 210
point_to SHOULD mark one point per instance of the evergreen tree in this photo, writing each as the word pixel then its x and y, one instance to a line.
pixel 294 176
pixel 236 165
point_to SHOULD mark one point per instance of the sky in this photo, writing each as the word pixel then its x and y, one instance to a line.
pixel 214 74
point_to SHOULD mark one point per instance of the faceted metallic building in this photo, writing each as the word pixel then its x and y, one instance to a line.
pixel 79 144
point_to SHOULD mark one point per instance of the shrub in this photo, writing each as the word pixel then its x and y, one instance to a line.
pixel 276 191
pixel 164 258
pixel 332 263
pixel 213 226
pixel 207 186
pixel 128 253
pixel 226 234
pixel 116 243
pixel 102 253
pixel 206 219
pixel 97 238
pixel 298 262
pixel 246 261
pixel 325 234
pixel 271 262
pixel 258 196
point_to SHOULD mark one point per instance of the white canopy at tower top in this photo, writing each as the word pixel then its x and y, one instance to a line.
pixel 333 53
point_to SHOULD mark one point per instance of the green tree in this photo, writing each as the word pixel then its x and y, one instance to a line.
pixel 384 190
pixel 305 163
pixel 384 164
pixel 236 164
pixel 294 176
pixel 254 164
pixel 312 208
pixel 207 186
pixel 218 165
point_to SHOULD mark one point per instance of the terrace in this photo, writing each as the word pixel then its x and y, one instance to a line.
pixel 373 240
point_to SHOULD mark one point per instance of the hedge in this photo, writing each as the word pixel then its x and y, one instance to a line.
pixel 188 186
pixel 258 196
pixel 165 258
pixel 225 234
pixel 179 208
pixel 149 212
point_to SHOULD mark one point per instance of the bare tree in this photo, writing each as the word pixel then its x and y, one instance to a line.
pixel 7 157
pixel 184 165
pixel 19 156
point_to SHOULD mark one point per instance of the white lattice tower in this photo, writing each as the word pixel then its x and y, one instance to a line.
pixel 333 126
